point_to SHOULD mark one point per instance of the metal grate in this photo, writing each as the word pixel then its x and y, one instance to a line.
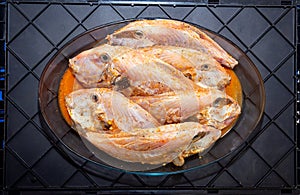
pixel 36 30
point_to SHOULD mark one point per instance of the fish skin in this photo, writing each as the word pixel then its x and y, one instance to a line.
pixel 145 33
pixel 196 65
pixel 145 142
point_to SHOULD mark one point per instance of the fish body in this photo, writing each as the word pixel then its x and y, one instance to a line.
pixel 194 64
pixel 145 33
pixel 140 69
pixel 154 145
pixel 95 68
pixel 140 139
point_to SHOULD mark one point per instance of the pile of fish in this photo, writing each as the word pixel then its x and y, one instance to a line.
pixel 154 93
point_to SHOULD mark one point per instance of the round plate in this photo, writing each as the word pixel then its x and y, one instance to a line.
pixel 72 144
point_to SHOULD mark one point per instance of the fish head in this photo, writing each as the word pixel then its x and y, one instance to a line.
pixel 212 74
pixel 106 110
pixel 134 36
pixel 85 109
pixel 225 110
pixel 201 143
pixel 90 67
pixel 222 111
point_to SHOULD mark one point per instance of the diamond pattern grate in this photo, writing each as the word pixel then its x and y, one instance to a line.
pixel 36 30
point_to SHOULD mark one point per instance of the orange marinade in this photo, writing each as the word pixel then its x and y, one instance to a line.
pixel 67 84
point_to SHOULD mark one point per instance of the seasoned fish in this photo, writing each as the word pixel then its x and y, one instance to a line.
pixel 123 67
pixel 97 108
pixel 145 33
pixel 100 122
pixel 196 65
pixel 152 146
pixel 159 95
pixel 215 108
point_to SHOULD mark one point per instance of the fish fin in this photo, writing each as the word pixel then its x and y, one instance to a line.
pixel 129 115
pixel 172 58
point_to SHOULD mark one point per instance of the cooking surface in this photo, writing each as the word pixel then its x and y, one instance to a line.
pixel 35 32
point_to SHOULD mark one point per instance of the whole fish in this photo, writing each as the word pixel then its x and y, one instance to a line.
pixel 123 67
pixel 97 120
pixel 162 145
pixel 97 108
pixel 139 69
pixel 215 109
pixel 145 33
pixel 196 65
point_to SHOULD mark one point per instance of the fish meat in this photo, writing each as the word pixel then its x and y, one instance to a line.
pixel 143 140
pixel 145 33
pixel 215 109
pixel 196 65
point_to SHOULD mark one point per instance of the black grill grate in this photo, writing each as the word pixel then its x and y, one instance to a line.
pixel 36 30
pixel 2 80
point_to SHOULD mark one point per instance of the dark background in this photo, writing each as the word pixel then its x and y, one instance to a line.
pixel 35 30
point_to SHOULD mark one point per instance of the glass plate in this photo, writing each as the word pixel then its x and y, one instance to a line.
pixel 60 131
